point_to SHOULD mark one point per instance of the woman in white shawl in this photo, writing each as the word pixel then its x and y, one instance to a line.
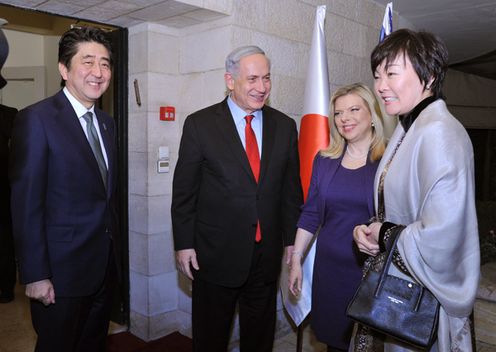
pixel 428 187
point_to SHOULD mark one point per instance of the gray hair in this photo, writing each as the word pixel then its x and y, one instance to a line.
pixel 232 60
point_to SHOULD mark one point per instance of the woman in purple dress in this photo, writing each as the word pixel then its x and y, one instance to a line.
pixel 340 196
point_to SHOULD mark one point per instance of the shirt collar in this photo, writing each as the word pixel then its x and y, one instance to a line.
pixel 407 120
pixel 79 108
pixel 238 113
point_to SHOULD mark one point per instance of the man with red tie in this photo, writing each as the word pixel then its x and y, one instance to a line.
pixel 235 204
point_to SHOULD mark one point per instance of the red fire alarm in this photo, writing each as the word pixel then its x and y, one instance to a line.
pixel 167 113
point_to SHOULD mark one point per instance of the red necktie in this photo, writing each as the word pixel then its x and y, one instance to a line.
pixel 253 158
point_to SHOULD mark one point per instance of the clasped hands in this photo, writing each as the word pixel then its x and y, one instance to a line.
pixel 367 238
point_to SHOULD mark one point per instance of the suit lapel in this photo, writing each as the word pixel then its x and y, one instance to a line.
pixel 268 136
pixel 225 123
pixel 109 149
pixel 326 178
pixel 71 126
pixel 369 184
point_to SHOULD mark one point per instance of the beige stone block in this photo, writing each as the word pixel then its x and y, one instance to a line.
pixel 355 42
pixel 204 51
pixel 161 254
pixel 151 295
pixel 162 89
pixel 288 94
pixel 335 32
pixel 138 172
pixel 166 323
pixel 138 325
pixel 241 36
pixel 138 213
pixel 163 53
pixel 294 20
pixel 251 14
pixel 340 69
pixel 370 14
pixel 138 252
pixel 151 254
pixel 214 88
pixel 159 214
pixel 138 293
pixel 149 215
pixel 137 132
pixel 138 53
pixel 287 57
pixel 162 293
pixel 199 90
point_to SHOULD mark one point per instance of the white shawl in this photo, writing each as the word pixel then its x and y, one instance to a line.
pixel 430 188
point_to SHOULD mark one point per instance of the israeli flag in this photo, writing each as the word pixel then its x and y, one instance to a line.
pixel 387 22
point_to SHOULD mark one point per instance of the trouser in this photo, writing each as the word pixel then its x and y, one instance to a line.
pixel 214 307
pixel 75 324
pixel 7 258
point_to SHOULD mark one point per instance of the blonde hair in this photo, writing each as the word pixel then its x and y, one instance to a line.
pixel 337 144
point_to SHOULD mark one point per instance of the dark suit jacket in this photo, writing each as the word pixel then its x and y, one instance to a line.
pixel 7 115
pixel 63 216
pixel 216 201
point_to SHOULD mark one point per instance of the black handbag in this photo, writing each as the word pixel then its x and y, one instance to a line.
pixel 399 308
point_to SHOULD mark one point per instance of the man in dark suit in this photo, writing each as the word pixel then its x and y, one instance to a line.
pixel 7 257
pixel 63 179
pixel 235 203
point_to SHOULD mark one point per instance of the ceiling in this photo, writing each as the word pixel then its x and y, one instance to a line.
pixel 468 27
pixel 120 13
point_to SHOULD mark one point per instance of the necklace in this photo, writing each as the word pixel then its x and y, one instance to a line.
pixel 356 156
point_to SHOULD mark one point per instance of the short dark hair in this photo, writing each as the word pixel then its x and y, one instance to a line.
pixel 427 53
pixel 70 40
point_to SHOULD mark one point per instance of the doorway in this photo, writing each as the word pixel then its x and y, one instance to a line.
pixel 33 75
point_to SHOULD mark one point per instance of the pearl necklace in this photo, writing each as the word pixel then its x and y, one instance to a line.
pixel 355 156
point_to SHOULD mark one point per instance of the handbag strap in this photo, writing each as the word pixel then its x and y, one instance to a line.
pixel 387 263
pixel 381 209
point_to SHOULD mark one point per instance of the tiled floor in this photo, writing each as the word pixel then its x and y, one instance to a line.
pixel 17 335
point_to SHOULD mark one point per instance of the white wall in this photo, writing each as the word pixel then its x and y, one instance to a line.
pixel 25 49
pixel 29 51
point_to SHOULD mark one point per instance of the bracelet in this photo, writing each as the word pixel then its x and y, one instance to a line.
pixel 371 220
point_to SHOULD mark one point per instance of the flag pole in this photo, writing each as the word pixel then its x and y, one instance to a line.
pixel 314 136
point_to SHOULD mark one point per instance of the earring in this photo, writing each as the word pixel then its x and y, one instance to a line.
pixel 373 124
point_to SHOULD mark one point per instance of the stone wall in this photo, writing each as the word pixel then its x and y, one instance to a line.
pixel 184 68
